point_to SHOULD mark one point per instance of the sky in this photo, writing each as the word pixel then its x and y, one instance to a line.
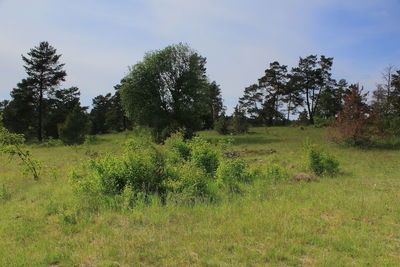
pixel 100 39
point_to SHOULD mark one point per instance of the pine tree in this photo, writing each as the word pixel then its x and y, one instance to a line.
pixel 45 72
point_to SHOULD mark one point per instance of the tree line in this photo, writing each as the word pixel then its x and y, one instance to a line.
pixel 169 90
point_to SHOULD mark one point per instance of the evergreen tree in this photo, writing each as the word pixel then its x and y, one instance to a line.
pixel 239 121
pixel 45 73
pixel 19 113
pixel 75 127
pixel 216 105
pixel 58 106
pixel 101 107
pixel 313 76
pixel 251 102
pixel 274 83
pixel 331 100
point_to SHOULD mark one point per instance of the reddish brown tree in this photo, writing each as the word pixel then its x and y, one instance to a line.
pixel 353 125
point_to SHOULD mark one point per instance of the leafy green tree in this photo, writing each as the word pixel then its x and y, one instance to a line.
pixel 75 127
pixel 45 74
pixel 168 87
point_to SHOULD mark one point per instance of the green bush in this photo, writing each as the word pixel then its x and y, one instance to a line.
pixel 221 125
pixel 187 171
pixel 276 173
pixel 231 172
pixel 188 182
pixel 141 168
pixel 91 140
pixel 204 155
pixel 177 144
pixel 322 163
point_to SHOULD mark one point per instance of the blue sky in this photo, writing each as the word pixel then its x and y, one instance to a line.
pixel 100 39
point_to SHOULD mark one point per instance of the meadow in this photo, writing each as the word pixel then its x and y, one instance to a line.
pixel 352 219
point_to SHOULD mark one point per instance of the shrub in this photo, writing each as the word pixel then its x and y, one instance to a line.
pixel 231 172
pixel 239 122
pixel 184 170
pixel 188 182
pixel 141 168
pixel 276 173
pixel 91 139
pixel 51 142
pixel 322 163
pixel 13 145
pixel 321 122
pixel 75 127
pixel 221 125
pixel 177 144
pixel 204 155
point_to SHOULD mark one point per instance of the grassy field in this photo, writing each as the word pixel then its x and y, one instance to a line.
pixel 349 220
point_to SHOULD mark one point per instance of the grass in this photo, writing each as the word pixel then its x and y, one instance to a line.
pixel 352 219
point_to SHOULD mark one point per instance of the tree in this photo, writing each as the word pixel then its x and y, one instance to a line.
pixel 251 102
pixel 274 83
pixel 19 113
pixel 292 96
pixel 353 123
pixel 313 76
pixel 331 100
pixel 215 105
pixel 45 73
pixel 169 87
pixel 75 127
pixel 101 107
pixel 59 104
pixel 239 121
pixel 386 103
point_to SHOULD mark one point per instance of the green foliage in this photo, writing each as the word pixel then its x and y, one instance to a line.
pixel 239 121
pixel 13 145
pixel 320 122
pixel 75 127
pixel 232 172
pixel 4 193
pixel 169 87
pixel 45 72
pixel 179 170
pixel 51 142
pixel 276 173
pixel 204 155
pixel 221 125
pixel 322 163
pixel 91 140
pixel 177 144
pixel 186 182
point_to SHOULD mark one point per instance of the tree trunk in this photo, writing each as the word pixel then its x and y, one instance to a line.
pixel 310 115
pixel 40 118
